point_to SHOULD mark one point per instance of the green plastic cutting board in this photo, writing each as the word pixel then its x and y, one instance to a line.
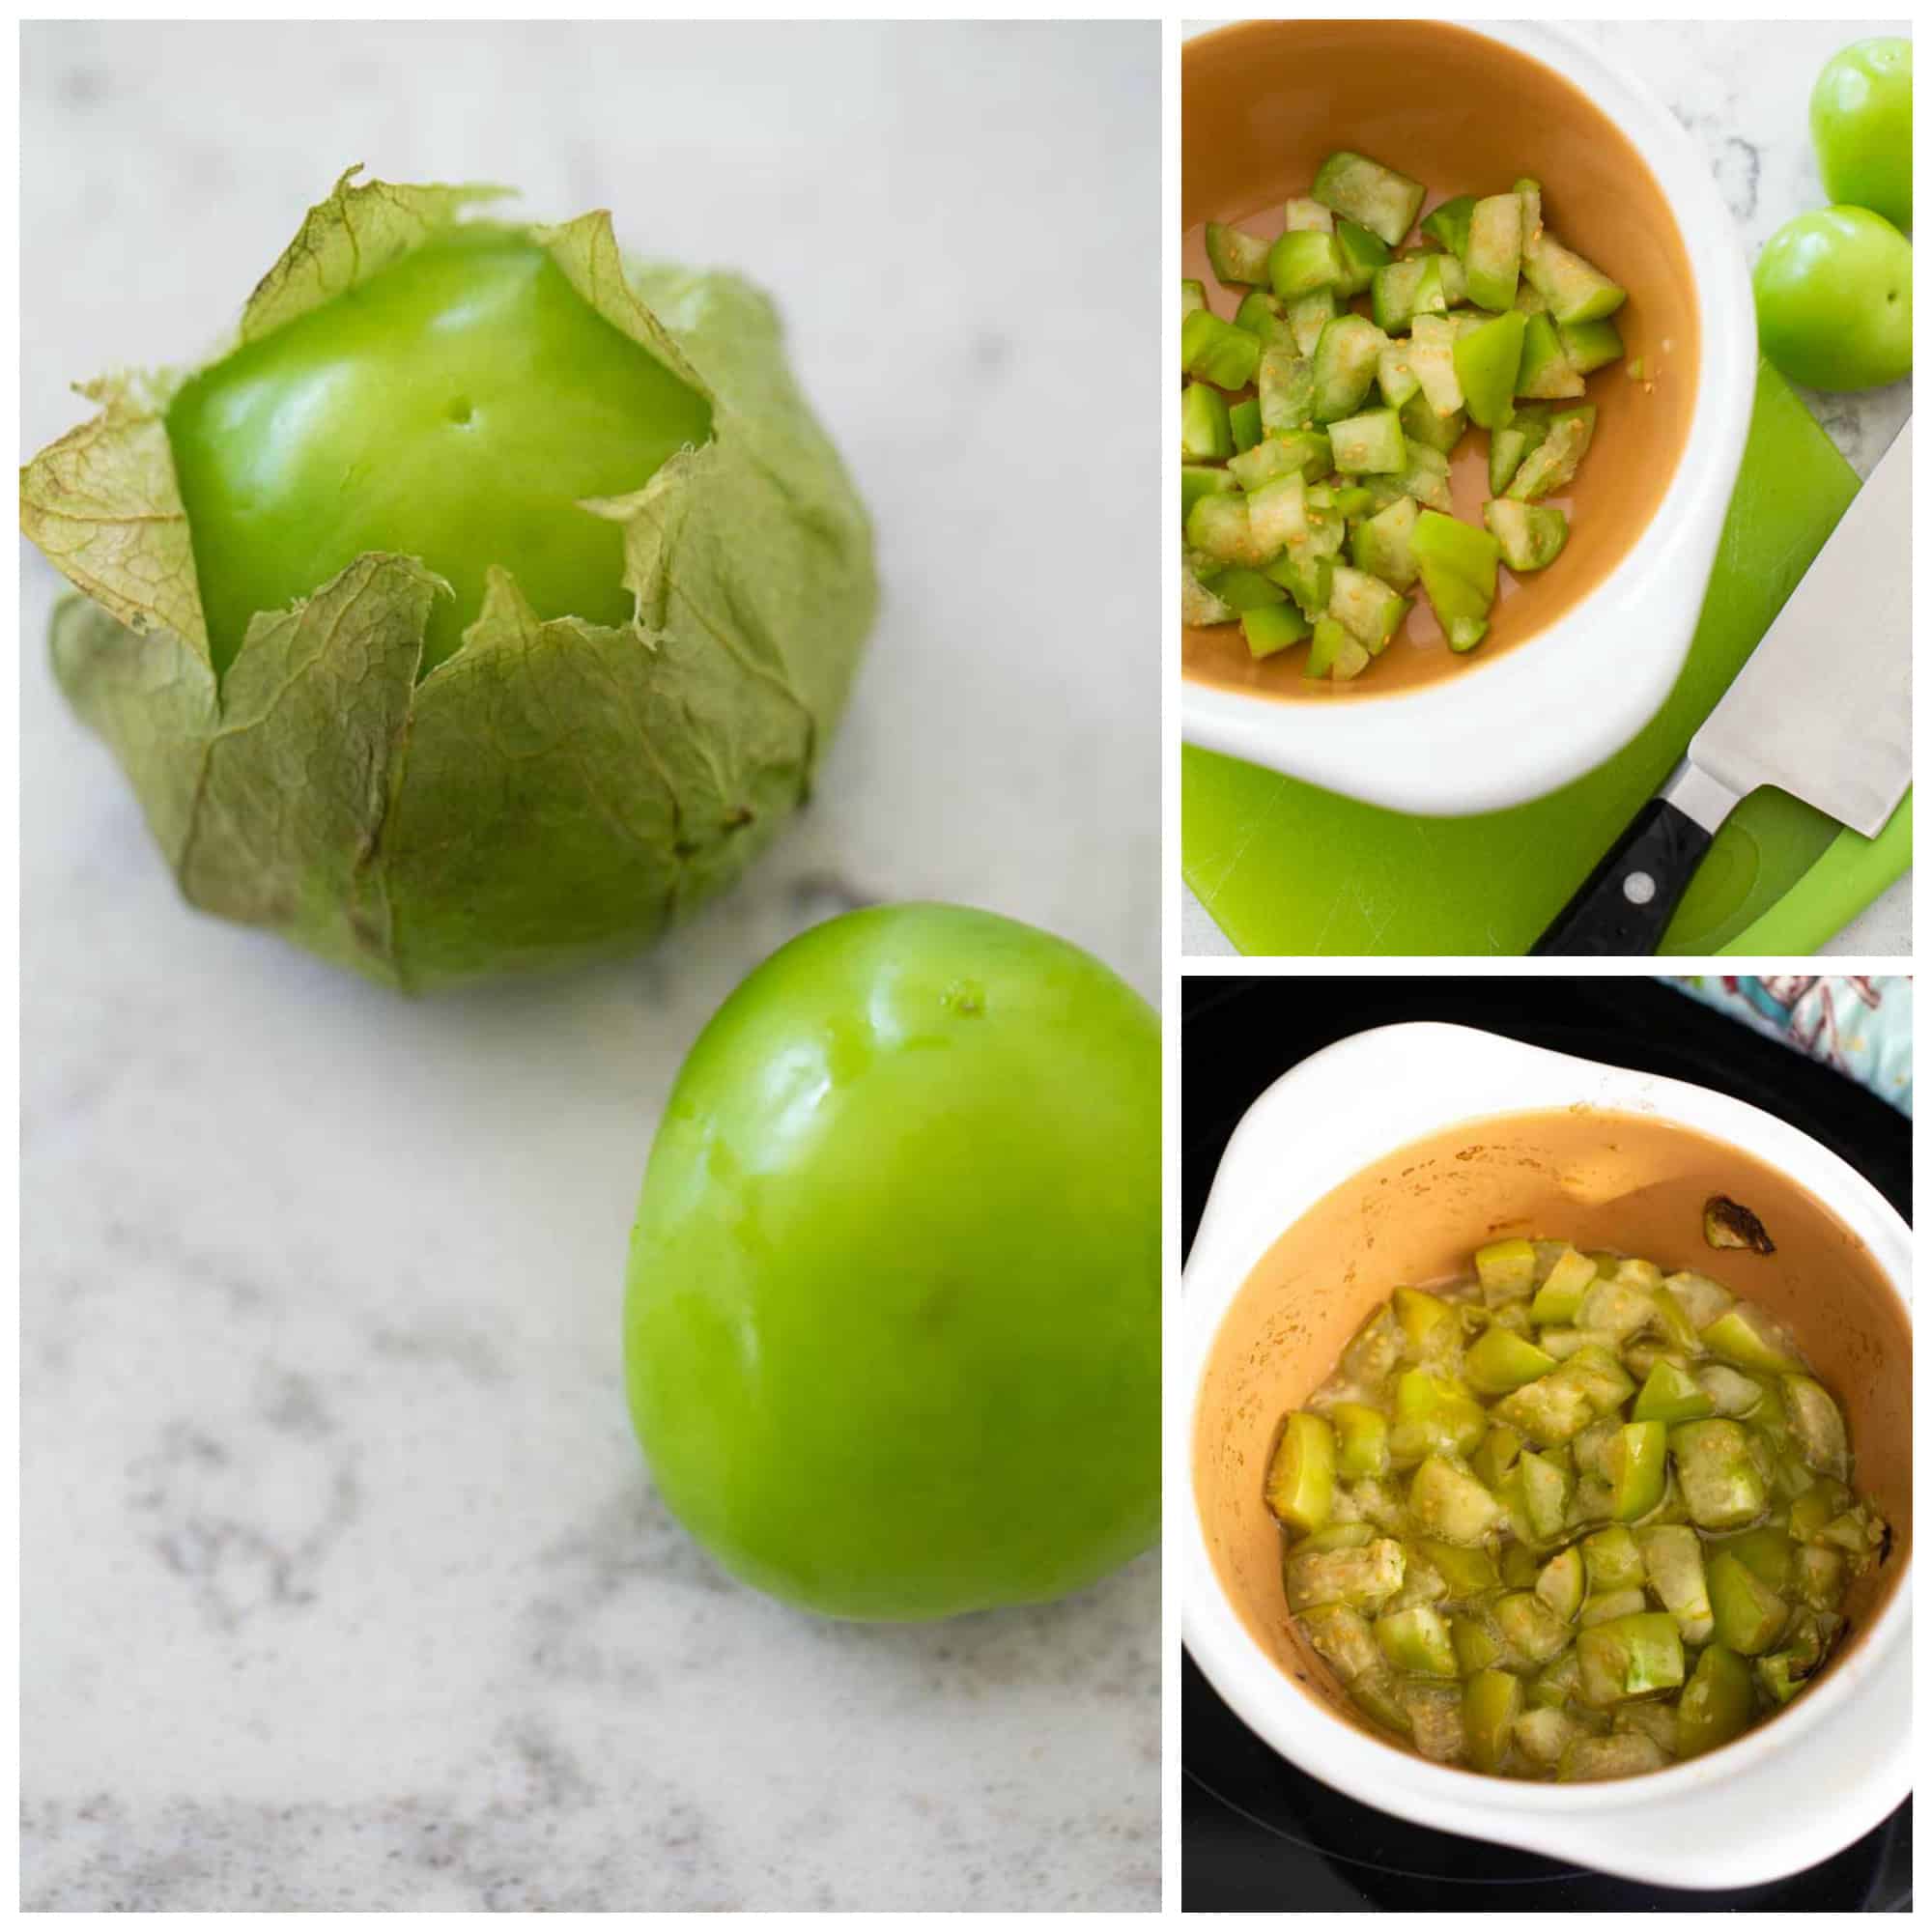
pixel 1286 868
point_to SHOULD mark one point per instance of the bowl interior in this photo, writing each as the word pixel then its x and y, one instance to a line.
pixel 1599 1179
pixel 1261 105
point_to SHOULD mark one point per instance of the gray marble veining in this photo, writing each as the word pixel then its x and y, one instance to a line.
pixel 1742 89
pixel 344 1583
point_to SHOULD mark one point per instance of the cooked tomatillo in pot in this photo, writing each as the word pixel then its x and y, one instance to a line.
pixel 1568 1517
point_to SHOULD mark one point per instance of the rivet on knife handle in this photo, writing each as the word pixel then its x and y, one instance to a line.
pixel 1624 907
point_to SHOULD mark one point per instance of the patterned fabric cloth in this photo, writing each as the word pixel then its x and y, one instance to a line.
pixel 1860 1026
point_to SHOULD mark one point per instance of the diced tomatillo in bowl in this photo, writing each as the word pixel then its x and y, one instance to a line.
pixel 485 606
pixel 1397 355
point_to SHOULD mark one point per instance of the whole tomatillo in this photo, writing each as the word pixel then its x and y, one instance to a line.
pixel 486 605
pixel 893 1332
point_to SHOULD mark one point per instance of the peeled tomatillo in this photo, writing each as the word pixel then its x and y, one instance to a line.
pixel 1834 292
pixel 892 1335
pixel 457 407
pixel 1861 127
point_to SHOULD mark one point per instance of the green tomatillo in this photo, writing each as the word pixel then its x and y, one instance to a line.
pixel 486 605
pixel 1861 126
pixel 893 1334
pixel 1833 292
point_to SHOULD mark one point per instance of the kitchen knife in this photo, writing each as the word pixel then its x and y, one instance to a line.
pixel 1822 709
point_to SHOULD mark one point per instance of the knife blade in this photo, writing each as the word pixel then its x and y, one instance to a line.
pixel 1822 709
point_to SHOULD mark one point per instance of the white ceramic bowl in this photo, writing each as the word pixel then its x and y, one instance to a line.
pixel 1538 716
pixel 1731 1819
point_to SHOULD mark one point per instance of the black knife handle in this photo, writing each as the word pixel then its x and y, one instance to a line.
pixel 1623 908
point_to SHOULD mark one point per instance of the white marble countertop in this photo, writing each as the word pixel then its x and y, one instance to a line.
pixel 1743 89
pixel 344 1587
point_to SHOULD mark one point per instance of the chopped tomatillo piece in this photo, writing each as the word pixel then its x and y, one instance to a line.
pixel 1633 1466
pixel 1457 565
pixel 1433 1415
pixel 1369 443
pixel 1197 480
pixel 1381 200
pixel 1396 292
pixel 1345 1639
pixel 1448 224
pixel 1673 1562
pixel 1625 1754
pixel 1613 1560
pixel 1206 432
pixel 1493 253
pixel 1304 452
pixel 1247 590
pixel 1671 1395
pixel 1307 317
pixel 1449 1502
pixel 1301 1478
pixel 1486 359
pixel 1308 580
pixel 1301 261
pixel 1553 462
pixel 1560 1294
pixel 1218 352
pixel 1543 371
pixel 1468 1571
pixel 1335 654
pixel 1381 545
pixel 1723 1487
pixel 1818 1425
pixel 1198 604
pixel 1366 607
pixel 1749 1339
pixel 1260 313
pixel 1365 1577
pixel 1749 1614
pixel 1574 291
pixel 1492 1703
pixel 1506 1271
pixel 1219 527
pixel 1629 1656
pixel 1277 515
pixel 1431 354
pixel 1591 346
pixel 1361 1440
pixel 1286 382
pixel 1417 1641
pixel 1236 258
pixel 1499 1361
pixel 1532 535
pixel 1244 424
pixel 1346 359
pixel 1362 254
pixel 1560 1583
pixel 1432 435
pixel 1717 1704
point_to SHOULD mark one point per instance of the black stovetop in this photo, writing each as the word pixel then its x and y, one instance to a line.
pixel 1258 1834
